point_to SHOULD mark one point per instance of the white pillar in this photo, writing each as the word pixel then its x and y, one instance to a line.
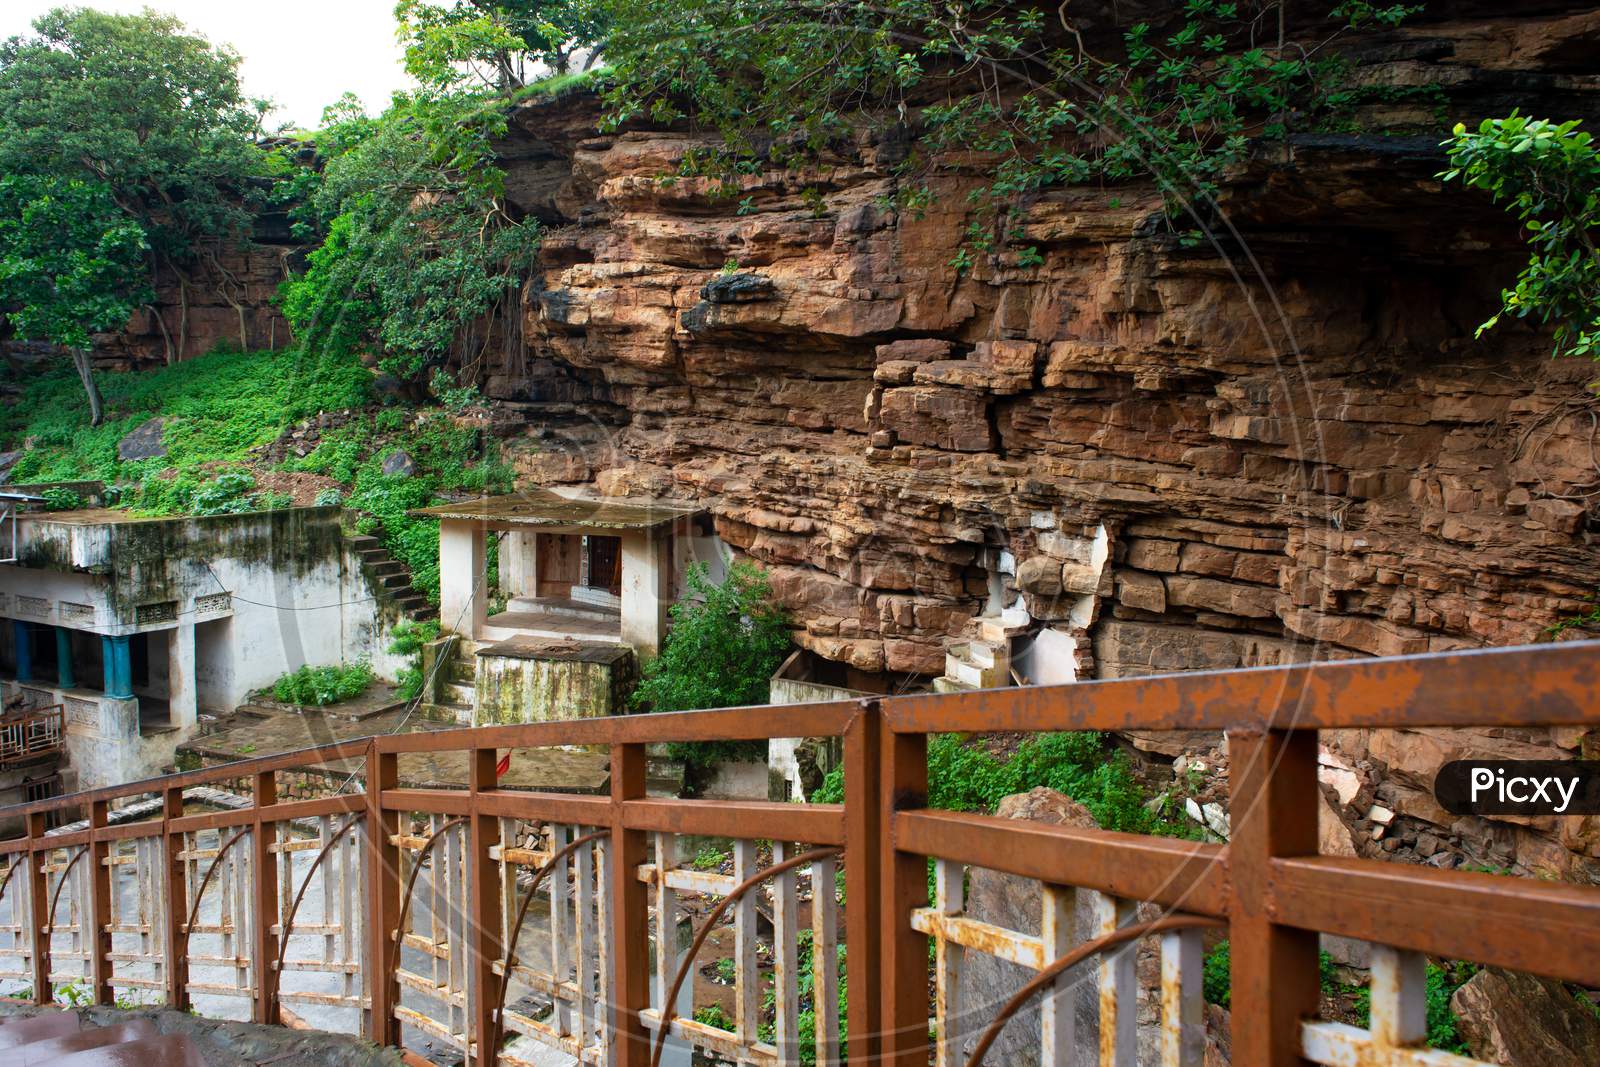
pixel 645 594
pixel 183 690
pixel 519 563
pixel 462 607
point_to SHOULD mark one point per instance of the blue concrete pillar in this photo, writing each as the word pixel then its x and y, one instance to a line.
pixel 24 642
pixel 118 667
pixel 64 676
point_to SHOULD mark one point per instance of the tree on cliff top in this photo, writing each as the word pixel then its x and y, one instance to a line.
pixel 126 143
pixel 497 43
pixel 141 105
pixel 1023 95
pixel 71 264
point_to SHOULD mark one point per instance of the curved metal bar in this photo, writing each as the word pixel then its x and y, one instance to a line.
pixel 55 897
pixel 194 908
pixel 276 975
pixel 1078 955
pixel 411 882
pixel 705 929
pixel 15 863
pixel 499 1032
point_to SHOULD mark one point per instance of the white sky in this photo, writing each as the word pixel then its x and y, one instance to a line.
pixel 302 54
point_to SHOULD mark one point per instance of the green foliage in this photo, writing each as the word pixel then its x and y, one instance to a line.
pixel 1217 976
pixel 72 263
pixel 786 82
pixel 419 245
pixel 964 776
pixel 1442 982
pixel 141 106
pixel 713 1015
pixel 726 640
pixel 806 1020
pixel 457 398
pixel 1548 176
pixel 494 43
pixel 409 637
pixel 60 498
pixel 218 407
pixel 321 686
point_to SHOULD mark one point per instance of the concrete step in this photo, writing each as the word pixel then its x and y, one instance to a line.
pixel 458 693
pixel 364 542
pixel 395 580
pixel 950 685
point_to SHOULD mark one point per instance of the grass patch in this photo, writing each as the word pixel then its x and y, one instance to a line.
pixel 321 686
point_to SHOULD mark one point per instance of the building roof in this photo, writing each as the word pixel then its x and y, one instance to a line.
pixel 540 508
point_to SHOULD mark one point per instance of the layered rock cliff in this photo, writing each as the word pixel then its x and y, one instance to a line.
pixel 1276 440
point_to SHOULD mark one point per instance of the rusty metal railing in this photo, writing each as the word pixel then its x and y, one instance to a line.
pixel 407 927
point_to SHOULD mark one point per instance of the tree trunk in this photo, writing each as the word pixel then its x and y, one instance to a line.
pixel 80 360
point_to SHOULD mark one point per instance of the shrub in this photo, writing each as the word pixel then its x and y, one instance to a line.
pixel 408 639
pixel 321 686
pixel 60 498
pixel 726 640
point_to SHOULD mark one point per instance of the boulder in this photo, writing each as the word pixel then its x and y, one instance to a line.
pixel 1015 904
pixel 1518 1020
pixel 144 442
pixel 399 462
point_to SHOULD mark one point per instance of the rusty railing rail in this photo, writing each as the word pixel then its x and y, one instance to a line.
pixel 1268 885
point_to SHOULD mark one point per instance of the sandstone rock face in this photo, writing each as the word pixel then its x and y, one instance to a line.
pixel 1517 1020
pixel 1352 474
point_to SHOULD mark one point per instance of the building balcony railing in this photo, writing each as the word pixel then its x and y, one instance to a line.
pixel 31 735
pixel 407 909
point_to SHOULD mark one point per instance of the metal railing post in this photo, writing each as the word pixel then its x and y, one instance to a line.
pixel 264 883
pixel 39 905
pixel 863 859
pixel 902 785
pixel 176 971
pixel 383 898
pixel 485 918
pixel 629 914
pixel 1273 811
pixel 97 938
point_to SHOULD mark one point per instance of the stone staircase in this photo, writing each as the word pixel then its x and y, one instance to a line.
pixel 980 660
pixel 450 697
pixel 391 578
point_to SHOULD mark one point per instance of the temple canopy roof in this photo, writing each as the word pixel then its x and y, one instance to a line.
pixel 544 510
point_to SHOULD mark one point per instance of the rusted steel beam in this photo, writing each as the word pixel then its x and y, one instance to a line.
pixel 815 824
pixel 547 807
pixel 483 921
pixel 1273 812
pixel 264 897
pixel 1522 924
pixel 432 801
pixel 903 786
pixel 175 908
pixel 629 914
pixel 725 724
pixel 97 935
pixel 383 899
pixel 285 812
pixel 299 759
pixel 1540 685
pixel 1185 874
pixel 863 863
pixel 39 905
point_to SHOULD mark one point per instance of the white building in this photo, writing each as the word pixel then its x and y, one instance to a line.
pixel 134 625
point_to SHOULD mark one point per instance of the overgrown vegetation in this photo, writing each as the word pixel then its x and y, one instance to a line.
pixel 321 686
pixel 964 775
pixel 726 639
pixel 1442 982
pixel 1547 174
pixel 409 637
pixel 786 82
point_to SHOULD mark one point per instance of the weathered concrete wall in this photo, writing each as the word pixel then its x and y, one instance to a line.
pixel 571 682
